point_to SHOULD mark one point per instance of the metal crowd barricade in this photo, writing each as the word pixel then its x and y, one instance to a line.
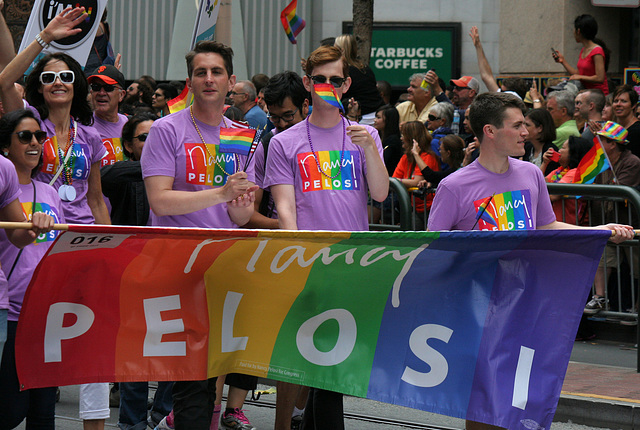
pixel 394 213
pixel 621 287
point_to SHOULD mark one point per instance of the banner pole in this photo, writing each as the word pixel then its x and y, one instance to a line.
pixel 27 226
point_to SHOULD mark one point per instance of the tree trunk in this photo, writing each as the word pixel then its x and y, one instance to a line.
pixel 363 27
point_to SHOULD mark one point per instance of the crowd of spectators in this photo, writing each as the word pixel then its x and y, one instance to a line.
pixel 102 124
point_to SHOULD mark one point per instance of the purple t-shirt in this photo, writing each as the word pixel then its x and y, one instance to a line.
pixel 322 203
pixel 87 149
pixel 111 133
pixel 175 149
pixel 9 191
pixel 47 201
pixel 520 199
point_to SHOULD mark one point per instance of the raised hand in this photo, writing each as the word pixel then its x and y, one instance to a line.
pixel 64 24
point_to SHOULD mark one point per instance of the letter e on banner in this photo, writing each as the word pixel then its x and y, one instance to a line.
pixel 55 332
pixel 156 327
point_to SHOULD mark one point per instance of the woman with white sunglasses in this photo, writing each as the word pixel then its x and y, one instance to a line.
pixel 56 92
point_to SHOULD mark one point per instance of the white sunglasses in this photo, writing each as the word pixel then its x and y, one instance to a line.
pixel 65 76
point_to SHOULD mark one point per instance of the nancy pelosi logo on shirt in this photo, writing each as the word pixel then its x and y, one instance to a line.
pixel 342 172
pixel 507 211
pixel 114 151
pixel 208 166
pixel 79 159
pixel 46 209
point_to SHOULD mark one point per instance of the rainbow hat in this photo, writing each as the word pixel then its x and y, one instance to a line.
pixel 614 131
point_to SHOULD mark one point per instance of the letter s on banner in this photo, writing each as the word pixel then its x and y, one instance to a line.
pixel 418 344
pixel 55 333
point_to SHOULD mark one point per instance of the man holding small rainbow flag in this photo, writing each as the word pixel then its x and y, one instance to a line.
pixel 321 172
pixel 194 176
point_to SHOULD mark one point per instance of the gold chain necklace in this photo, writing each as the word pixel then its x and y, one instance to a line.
pixel 235 156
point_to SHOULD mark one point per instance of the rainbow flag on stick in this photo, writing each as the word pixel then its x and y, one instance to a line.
pixel 592 164
pixel 182 101
pixel 291 22
pixel 236 140
pixel 328 93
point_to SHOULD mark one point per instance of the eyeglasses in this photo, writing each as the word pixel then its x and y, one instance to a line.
pixel 286 117
pixel 107 87
pixel 156 95
pixel 336 81
pixel 26 136
pixel 141 137
pixel 65 76
pixel 432 117
pixel 233 93
pixel 460 88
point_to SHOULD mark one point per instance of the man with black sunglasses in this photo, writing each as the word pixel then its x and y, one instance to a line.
pixel 107 91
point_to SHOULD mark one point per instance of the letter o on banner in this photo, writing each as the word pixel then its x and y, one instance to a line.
pixel 347 334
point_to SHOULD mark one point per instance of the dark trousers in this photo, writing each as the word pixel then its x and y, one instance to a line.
pixel 244 382
pixel 36 405
pixel 133 403
pixel 323 411
pixel 193 404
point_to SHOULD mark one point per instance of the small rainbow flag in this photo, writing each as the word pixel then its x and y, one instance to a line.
pixel 592 164
pixel 291 22
pixel 236 140
pixel 182 101
pixel 328 93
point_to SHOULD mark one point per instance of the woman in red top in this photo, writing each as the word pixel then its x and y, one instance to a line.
pixel 591 70
pixel 407 171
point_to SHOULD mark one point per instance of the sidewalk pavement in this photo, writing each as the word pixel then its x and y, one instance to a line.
pixel 601 387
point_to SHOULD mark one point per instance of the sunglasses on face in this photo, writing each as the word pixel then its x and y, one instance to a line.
pixel 107 87
pixel 432 117
pixel 65 76
pixel 141 137
pixel 26 136
pixel 336 81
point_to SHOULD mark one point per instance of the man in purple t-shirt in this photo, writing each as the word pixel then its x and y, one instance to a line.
pixel 190 184
pixel 107 92
pixel 508 186
pixel 320 172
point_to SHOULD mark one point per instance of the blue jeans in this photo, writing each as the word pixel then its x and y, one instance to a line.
pixel 133 403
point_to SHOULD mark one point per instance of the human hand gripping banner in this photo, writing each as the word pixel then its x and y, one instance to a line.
pixel 475 325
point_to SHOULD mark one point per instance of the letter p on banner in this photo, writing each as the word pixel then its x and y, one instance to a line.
pixel 55 332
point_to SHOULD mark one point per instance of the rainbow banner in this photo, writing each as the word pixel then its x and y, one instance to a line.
pixel 592 164
pixel 327 92
pixel 236 140
pixel 291 22
pixel 181 102
pixel 383 315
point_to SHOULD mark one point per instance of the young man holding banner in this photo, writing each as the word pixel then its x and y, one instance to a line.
pixel 320 172
pixel 479 195
pixel 190 183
